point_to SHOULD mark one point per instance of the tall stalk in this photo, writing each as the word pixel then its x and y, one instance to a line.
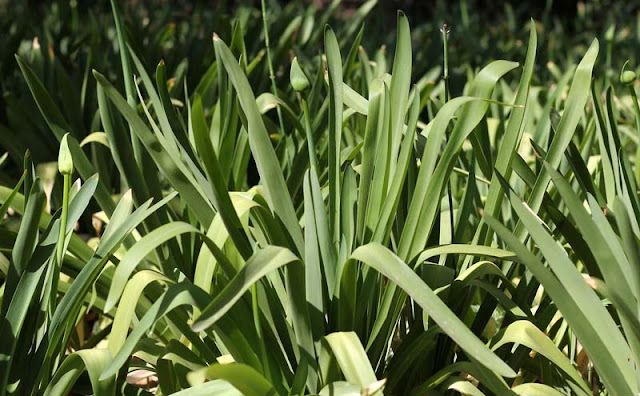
pixel 447 95
pixel 65 167
pixel 272 75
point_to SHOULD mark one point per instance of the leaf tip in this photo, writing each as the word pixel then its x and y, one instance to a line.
pixel 327 29
pixel 97 75
pixel 198 327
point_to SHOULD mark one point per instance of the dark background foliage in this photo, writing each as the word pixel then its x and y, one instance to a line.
pixel 80 36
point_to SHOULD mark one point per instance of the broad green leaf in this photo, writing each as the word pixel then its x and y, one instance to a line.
pixel 122 223
pixel 242 377
pixel 526 333
pixel 222 201
pixel 261 148
pixel 573 110
pixel 170 169
pixel 334 68
pixel 400 84
pixel 96 137
pixel 472 250
pixel 352 358
pixel 263 262
pixel 59 126
pixel 586 319
pixel 533 389
pixel 392 267
pixel 126 310
pixel 513 131
pixel 215 387
pixel 94 361
pixel 431 182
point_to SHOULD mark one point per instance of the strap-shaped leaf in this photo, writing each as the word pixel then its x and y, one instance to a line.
pixel 573 110
pixel 526 333
pixel 261 148
pixel 579 306
pixel 392 267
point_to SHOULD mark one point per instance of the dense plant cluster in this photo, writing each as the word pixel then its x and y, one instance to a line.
pixel 299 210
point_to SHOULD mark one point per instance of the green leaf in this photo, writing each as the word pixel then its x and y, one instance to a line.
pixel 430 183
pixel 242 377
pixel 260 264
pixel 392 267
pixel 94 361
pixel 400 84
pixel 222 201
pixel 578 304
pixel 334 67
pixel 60 127
pixel 215 387
pixel 513 132
pixel 352 358
pixel 573 111
pixel 274 184
pixel 165 163
pixel 526 333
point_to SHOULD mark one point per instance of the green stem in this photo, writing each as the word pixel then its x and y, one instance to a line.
pixel 445 45
pixel 272 75
pixel 61 238
pixel 313 160
pixel 127 74
pixel 636 107
pixel 447 93
pixel 256 320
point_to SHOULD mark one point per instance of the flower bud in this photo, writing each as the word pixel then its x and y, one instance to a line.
pixel 628 77
pixel 298 79
pixel 65 162
pixel 610 34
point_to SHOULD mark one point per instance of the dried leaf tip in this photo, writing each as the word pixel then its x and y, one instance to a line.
pixel 215 36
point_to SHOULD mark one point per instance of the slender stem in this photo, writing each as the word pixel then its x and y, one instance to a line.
pixel 445 45
pixel 636 107
pixel 447 93
pixel 258 326
pixel 313 160
pixel 61 237
pixel 127 75
pixel 272 75
pixel 63 218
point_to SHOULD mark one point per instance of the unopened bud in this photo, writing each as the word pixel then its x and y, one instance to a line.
pixel 628 77
pixel 298 79
pixel 65 161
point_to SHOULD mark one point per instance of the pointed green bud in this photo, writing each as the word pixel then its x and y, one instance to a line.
pixel 609 35
pixel 65 162
pixel 299 80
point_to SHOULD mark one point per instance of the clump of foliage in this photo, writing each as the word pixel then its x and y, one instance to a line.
pixel 304 216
